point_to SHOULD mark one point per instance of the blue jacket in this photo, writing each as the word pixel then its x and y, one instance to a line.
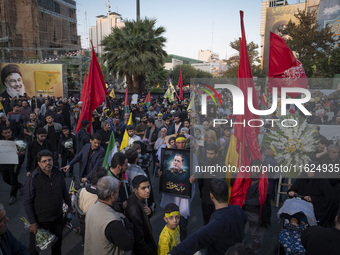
pixel 14 247
pixel 224 230
pixel 96 159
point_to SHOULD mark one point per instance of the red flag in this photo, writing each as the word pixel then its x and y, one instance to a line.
pixel 147 100
pixel 180 84
pixel 328 105
pixel 126 103
pixel 246 136
pixel 284 69
pixel 94 92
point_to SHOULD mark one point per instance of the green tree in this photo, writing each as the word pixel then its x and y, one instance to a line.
pixel 312 45
pixel 234 61
pixel 135 50
pixel 188 72
pixel 159 76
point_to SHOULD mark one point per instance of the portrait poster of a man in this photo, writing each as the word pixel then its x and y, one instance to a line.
pixel 176 172
pixel 18 79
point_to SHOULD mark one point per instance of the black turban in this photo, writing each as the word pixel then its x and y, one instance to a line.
pixel 7 70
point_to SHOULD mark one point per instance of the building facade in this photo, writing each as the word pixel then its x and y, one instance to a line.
pixel 276 13
pixel 208 56
pixel 36 29
pixel 103 27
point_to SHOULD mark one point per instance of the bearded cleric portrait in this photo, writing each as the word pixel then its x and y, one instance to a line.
pixel 11 78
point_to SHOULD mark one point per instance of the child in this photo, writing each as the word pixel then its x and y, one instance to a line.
pixel 290 237
pixel 170 236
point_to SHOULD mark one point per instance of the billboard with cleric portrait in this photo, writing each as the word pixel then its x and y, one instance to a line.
pixel 33 79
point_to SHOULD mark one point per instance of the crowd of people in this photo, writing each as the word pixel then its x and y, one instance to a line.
pixel 114 205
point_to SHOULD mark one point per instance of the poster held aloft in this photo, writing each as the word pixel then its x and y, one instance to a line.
pixel 175 165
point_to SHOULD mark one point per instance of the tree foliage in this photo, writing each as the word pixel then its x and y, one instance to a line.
pixel 188 72
pixel 254 59
pixel 312 45
pixel 159 76
pixel 134 51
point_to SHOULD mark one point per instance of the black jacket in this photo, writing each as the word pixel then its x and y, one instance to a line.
pixel 154 135
pixel 172 129
pixel 7 101
pixel 144 243
pixel 44 196
pixel 12 245
pixel 61 147
pixel 82 138
pixel 32 150
pixel 105 137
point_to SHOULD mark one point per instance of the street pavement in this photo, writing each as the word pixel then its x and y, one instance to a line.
pixel 72 242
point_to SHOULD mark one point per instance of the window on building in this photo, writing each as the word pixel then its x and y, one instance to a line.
pixel 54 36
pixel 56 8
pixel 71 12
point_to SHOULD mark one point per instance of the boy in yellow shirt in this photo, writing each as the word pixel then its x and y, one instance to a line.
pixel 170 236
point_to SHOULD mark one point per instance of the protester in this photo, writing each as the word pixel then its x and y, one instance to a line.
pixel 204 183
pixel 107 231
pixel 10 172
pixel 119 164
pixel 133 169
pixel 91 156
pixel 34 147
pixel 82 136
pixel 45 192
pixel 170 235
pixel 139 213
pixel 141 127
pixel 87 196
pixel 8 243
pixel 53 135
pixel 105 133
pixel 319 240
pixel 67 148
pixel 132 137
pixel 31 126
pixel 224 229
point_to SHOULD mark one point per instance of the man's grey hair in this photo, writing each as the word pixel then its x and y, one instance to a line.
pixel 1 207
pixel 104 123
pixel 164 128
pixel 105 186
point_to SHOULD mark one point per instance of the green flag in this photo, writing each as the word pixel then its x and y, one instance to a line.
pixel 110 151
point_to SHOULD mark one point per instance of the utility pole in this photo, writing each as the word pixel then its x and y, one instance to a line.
pixel 138 10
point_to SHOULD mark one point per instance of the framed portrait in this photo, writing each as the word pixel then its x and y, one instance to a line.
pixel 171 141
pixel 175 165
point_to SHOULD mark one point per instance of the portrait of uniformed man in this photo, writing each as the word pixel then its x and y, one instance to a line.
pixel 177 165
pixel 176 173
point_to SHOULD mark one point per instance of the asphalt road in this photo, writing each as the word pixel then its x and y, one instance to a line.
pixel 72 242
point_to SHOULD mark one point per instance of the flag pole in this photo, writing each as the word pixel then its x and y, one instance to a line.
pixel 240 156
pixel 177 95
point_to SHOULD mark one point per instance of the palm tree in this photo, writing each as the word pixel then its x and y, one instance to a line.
pixel 135 50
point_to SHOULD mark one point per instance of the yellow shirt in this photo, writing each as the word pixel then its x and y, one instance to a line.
pixel 168 239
